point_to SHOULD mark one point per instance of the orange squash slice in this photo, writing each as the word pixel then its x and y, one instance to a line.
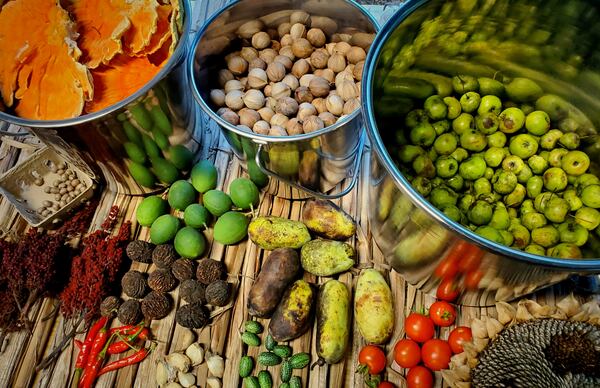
pixel 144 17
pixel 123 77
pixel 162 33
pixel 39 61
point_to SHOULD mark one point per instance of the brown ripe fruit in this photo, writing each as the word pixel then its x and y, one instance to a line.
pixel 192 316
pixel 218 293
pixel 156 305
pixel 140 251
pixel 210 270
pixel 164 255
pixel 130 312
pixel 109 306
pixel 133 284
pixel 183 269
pixel 192 291
pixel 162 280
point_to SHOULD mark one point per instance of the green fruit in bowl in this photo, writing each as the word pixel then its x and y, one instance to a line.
pixel 164 170
pixel 189 243
pixel 164 229
pixel 181 195
pixel 150 209
pixel 180 156
pixel 141 174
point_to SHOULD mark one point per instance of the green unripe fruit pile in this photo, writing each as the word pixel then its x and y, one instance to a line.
pixel 507 161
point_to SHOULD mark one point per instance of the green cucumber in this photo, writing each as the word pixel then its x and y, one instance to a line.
pixel 283 351
pixel 270 343
pixel 264 379
pixel 254 327
pixel 251 382
pixel 246 366
pixel 299 360
pixel 250 339
pixel 269 359
pixel 286 371
pixel 295 382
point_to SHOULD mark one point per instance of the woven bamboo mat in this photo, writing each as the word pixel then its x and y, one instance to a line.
pixel 24 350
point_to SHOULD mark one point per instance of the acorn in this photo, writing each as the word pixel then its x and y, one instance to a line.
pixel 164 255
pixel 162 280
pixel 109 306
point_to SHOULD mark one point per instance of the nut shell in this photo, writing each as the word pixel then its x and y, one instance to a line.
pixel 156 305
pixel 140 251
pixel 192 316
pixel 130 312
pixel 109 306
pixel 218 293
pixel 210 270
pixel 192 291
pixel 133 284
pixel 162 280
pixel 183 269
pixel 164 256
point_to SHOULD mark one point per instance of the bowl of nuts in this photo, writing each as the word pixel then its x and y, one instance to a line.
pixel 282 80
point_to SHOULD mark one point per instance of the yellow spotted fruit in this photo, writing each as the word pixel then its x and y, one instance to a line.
pixel 272 232
pixel 308 171
pixel 276 274
pixel 333 321
pixel 327 220
pixel 292 316
pixel 373 307
pixel 284 159
pixel 326 257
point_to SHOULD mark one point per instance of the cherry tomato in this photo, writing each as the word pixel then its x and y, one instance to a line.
pixel 419 327
pixel 386 384
pixel 472 279
pixel 442 313
pixel 458 337
pixel 407 353
pixel 436 354
pixel 373 358
pixel 419 377
pixel 448 290
pixel 449 266
pixel 471 260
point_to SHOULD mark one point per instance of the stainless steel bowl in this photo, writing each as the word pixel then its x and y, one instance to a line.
pixel 323 163
pixel 415 236
pixel 99 137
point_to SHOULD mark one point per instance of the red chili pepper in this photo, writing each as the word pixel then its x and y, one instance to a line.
pixel 96 358
pixel 78 343
pixel 123 329
pixel 127 343
pixel 85 348
pixel 130 360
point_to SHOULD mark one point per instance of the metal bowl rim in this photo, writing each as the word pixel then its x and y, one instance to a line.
pixel 377 143
pixel 258 138
pixel 176 57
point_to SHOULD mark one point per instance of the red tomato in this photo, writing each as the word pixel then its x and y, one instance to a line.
pixel 472 279
pixel 419 377
pixel 449 266
pixel 458 337
pixel 470 260
pixel 448 290
pixel 407 353
pixel 386 384
pixel 373 357
pixel 442 313
pixel 419 327
pixel 436 354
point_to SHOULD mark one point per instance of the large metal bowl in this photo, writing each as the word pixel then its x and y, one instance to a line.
pixel 323 163
pixel 99 137
pixel 416 237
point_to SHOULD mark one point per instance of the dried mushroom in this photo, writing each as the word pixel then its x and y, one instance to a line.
pixel 156 305
pixel 164 255
pixel 140 251
pixel 130 312
pixel 192 291
pixel 162 280
pixel 109 306
pixel 210 270
pixel 218 293
pixel 192 316
pixel 39 53
pixel 183 269
pixel 133 284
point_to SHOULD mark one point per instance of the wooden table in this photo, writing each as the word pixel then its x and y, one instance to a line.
pixel 24 350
